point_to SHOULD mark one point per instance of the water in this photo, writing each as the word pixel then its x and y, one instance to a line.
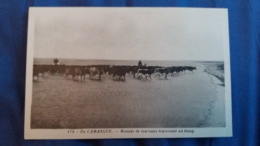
pixel 184 100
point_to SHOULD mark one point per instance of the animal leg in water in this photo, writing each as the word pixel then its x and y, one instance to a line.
pixel 165 77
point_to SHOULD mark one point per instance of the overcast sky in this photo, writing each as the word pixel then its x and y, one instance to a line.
pixel 130 33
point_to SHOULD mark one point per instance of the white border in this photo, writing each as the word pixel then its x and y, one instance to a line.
pixel 115 132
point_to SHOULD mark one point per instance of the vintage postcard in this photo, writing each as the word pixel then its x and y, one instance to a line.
pixel 97 73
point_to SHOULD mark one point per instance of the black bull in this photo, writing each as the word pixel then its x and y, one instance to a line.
pixel 119 72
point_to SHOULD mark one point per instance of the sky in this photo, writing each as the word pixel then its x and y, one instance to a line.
pixel 130 33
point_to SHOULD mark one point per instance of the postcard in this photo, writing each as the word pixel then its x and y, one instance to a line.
pixel 96 73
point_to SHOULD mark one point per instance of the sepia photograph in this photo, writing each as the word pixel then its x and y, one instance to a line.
pixel 125 70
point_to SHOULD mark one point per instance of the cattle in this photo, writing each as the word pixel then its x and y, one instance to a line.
pixel 172 70
pixel 79 73
pixel 61 69
pixel 146 72
pixel 133 70
pixel 36 72
pixel 190 68
pixel 161 72
pixel 119 72
pixel 68 72
pixel 178 69
pixel 107 69
pixel 39 71
pixel 52 69
pixel 76 73
pixel 86 70
pixel 175 69
pixel 95 73
pixel 83 72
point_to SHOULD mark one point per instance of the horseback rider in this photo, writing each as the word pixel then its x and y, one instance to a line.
pixel 140 64
pixel 55 61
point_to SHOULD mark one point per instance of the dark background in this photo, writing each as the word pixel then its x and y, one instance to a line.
pixel 244 29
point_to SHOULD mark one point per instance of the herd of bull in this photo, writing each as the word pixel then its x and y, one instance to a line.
pixel 95 72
